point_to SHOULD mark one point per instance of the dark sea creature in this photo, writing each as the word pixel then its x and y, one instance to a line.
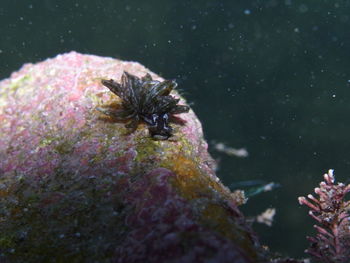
pixel 145 100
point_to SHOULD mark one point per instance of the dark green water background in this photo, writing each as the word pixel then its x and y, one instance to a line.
pixel 272 76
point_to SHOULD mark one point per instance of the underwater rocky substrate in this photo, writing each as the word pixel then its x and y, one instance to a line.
pixel 78 187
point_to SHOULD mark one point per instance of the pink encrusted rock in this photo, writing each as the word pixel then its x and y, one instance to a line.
pixel 76 187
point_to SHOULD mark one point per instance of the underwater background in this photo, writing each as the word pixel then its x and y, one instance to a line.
pixel 269 76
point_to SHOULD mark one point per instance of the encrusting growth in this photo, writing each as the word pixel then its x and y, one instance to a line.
pixel 331 211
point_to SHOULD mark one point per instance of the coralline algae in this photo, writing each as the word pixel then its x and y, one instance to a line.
pixel 76 187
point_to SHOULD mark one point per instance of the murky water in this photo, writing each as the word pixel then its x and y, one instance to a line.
pixel 269 76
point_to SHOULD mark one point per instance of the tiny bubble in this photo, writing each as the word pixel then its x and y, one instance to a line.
pixel 333 95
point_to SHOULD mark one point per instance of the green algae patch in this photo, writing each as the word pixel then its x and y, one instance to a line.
pixel 14 87
pixel 45 142
pixel 17 84
pixel 58 144
pixel 147 148
pixel 64 147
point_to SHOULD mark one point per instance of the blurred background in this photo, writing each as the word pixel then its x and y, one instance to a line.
pixel 269 76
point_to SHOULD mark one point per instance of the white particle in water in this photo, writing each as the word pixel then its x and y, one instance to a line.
pixel 247 12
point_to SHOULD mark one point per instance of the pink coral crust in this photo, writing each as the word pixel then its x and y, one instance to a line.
pixel 75 186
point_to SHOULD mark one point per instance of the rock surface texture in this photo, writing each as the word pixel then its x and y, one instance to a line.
pixel 77 187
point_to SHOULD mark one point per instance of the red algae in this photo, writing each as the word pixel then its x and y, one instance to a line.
pixel 76 186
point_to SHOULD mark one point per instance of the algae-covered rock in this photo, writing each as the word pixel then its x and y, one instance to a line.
pixel 78 187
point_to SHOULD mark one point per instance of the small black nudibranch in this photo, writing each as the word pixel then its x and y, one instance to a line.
pixel 145 100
